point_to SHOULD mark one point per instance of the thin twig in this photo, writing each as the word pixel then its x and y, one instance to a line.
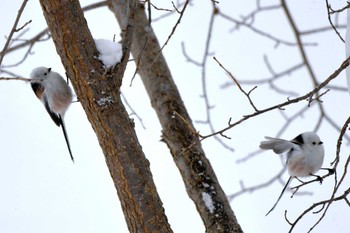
pixel 286 103
pixel 274 77
pixel 329 10
pixel 133 112
pixel 18 78
pixel 13 30
pixel 238 85
pixel 38 37
pixel 181 13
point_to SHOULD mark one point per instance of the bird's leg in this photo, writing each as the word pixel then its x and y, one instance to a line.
pixel 319 178
pixel 299 180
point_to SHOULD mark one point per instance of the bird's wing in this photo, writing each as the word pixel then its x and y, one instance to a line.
pixel 277 145
pixel 54 116
pixel 39 90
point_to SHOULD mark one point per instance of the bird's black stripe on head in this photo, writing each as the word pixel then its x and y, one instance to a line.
pixel 298 140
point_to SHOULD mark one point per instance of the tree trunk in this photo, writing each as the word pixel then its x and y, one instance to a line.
pixel 178 132
pixel 98 92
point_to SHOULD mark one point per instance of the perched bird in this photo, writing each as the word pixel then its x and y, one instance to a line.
pixel 52 90
pixel 305 155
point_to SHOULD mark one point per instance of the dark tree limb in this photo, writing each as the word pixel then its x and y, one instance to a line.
pixel 178 132
pixel 99 93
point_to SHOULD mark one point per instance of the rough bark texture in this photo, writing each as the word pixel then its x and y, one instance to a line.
pixel 178 131
pixel 98 92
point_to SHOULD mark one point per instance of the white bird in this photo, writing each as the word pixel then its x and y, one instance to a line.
pixel 304 157
pixel 52 90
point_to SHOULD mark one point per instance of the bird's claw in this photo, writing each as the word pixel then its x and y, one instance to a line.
pixel 319 179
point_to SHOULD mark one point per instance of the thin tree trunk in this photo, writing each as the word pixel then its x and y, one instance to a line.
pixel 178 132
pixel 98 92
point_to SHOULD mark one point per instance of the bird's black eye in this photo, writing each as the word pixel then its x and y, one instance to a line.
pixel 320 143
pixel 313 143
pixel 45 73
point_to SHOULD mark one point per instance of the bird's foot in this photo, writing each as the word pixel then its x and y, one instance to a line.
pixel 319 179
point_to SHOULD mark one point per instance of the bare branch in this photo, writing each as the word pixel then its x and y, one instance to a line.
pixel 16 78
pixel 274 77
pixel 278 41
pixel 95 5
pixel 13 30
pixel 321 203
pixel 321 29
pixel 290 101
pixel 238 85
pixel 339 142
pixel 174 28
pixel 133 112
pixel 38 37
pixel 24 25
pixel 255 187
pixel 330 11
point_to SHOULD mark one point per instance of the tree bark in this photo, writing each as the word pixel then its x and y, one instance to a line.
pixel 178 132
pixel 98 92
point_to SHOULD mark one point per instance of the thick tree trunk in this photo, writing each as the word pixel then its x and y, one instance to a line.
pixel 98 92
pixel 178 132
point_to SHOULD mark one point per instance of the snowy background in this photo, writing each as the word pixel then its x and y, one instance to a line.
pixel 43 191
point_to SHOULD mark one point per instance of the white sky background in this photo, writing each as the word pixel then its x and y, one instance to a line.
pixel 43 191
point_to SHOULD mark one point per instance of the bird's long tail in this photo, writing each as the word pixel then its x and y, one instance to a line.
pixel 279 198
pixel 66 138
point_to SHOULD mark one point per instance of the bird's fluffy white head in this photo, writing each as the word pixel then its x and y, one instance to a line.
pixel 311 138
pixel 39 72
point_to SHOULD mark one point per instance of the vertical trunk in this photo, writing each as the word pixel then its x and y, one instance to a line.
pixel 98 92
pixel 178 132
